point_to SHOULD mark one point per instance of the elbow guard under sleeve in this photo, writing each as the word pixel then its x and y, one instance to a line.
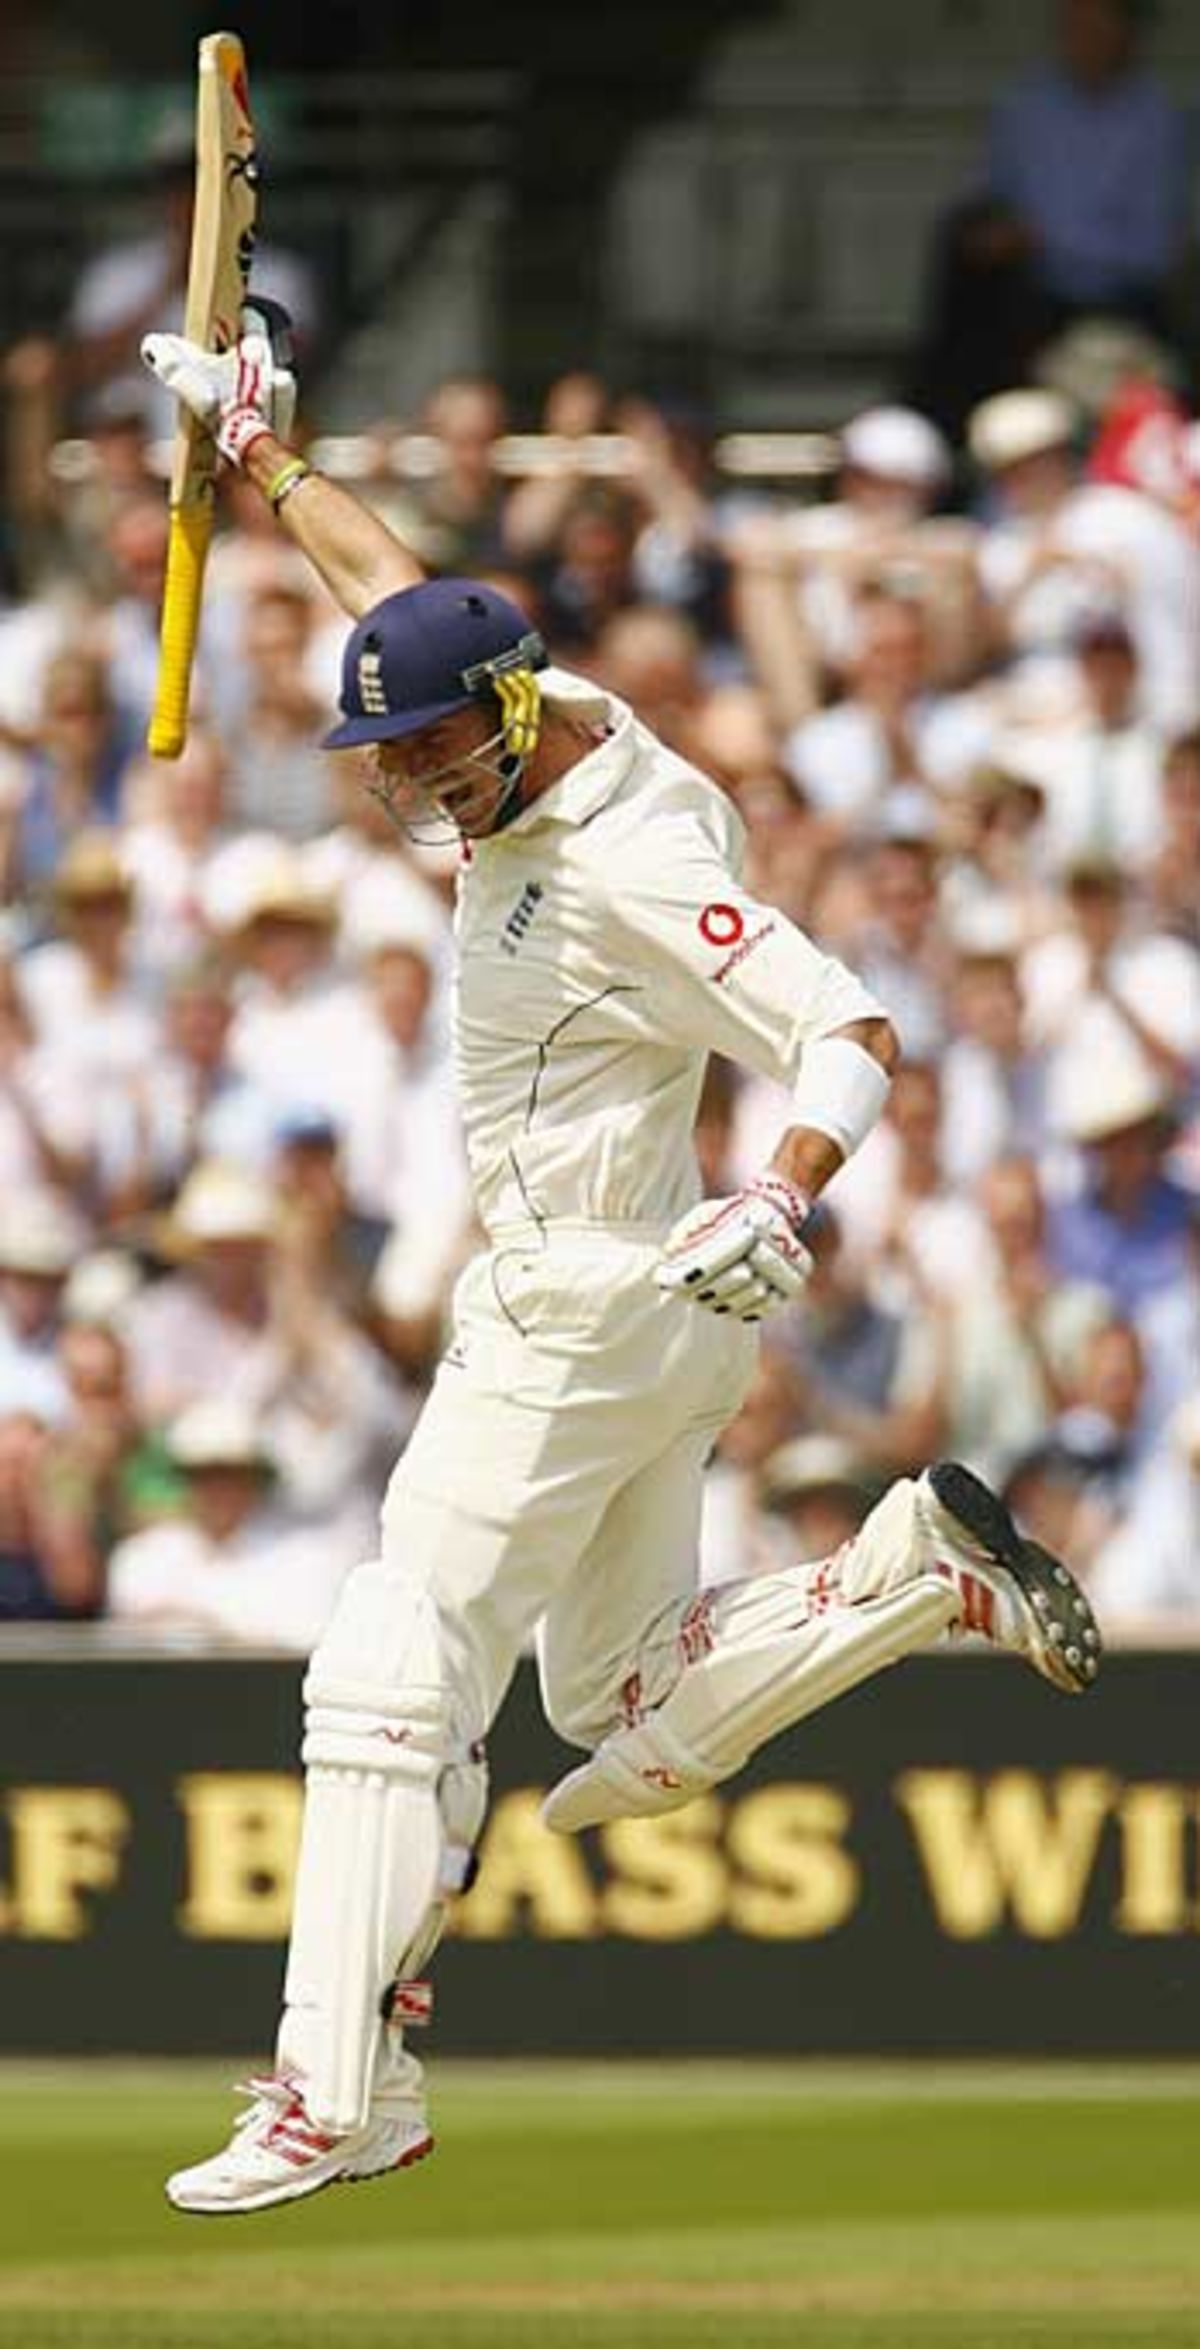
pixel 840 1091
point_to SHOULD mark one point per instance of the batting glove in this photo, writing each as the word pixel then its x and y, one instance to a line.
pixel 238 395
pixel 742 1255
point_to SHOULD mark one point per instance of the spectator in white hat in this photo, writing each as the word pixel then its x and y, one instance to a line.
pixel 1129 1224
pixel 294 1032
pixel 1055 546
pixel 232 1569
pixel 41 1236
pixel 81 987
pixel 816 1491
pixel 799 573
pixel 192 1333
pixel 247 1316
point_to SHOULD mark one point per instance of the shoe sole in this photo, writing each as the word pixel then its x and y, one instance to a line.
pixel 301 2189
pixel 1063 1637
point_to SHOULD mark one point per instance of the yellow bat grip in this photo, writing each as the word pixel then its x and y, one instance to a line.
pixel 187 554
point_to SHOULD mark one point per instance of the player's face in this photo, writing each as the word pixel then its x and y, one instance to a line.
pixel 451 767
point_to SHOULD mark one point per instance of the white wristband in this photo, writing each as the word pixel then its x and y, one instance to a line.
pixel 840 1091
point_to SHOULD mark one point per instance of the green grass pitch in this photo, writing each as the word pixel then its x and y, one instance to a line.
pixel 627 2207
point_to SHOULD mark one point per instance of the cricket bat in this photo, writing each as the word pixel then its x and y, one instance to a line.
pixel 218 269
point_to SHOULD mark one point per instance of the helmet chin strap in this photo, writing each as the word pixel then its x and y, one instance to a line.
pixel 510 767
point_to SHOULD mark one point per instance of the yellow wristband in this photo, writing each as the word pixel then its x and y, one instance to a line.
pixel 285 481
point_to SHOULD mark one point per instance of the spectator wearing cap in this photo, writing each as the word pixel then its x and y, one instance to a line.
pixel 309 1172
pixel 41 1235
pixel 1127 1225
pixel 889 730
pixel 1055 546
pixel 231 1569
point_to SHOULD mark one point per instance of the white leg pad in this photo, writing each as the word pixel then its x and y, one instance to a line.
pixel 391 1810
pixel 765 1654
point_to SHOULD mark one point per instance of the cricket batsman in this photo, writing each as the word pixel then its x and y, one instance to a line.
pixel 551 1489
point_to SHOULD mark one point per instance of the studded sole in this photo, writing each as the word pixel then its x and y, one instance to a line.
pixel 1063 1635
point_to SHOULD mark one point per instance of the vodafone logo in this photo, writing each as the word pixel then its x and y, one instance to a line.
pixel 721 925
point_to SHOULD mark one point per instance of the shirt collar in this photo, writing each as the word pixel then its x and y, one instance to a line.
pixel 592 779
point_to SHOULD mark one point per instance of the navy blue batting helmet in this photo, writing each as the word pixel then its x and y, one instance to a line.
pixel 425 652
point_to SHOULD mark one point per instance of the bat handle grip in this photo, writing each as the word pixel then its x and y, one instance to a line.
pixel 187 554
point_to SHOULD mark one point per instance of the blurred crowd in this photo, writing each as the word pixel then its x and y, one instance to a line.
pixel 953 689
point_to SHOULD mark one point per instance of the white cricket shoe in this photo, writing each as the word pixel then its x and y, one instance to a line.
pixel 276 2154
pixel 1012 1590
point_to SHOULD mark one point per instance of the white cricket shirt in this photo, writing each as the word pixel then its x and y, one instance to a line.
pixel 606 946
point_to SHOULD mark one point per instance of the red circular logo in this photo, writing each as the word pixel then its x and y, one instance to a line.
pixel 721 925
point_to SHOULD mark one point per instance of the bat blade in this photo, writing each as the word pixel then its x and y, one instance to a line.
pixel 223 223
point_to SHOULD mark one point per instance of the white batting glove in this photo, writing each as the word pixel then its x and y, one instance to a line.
pixel 742 1255
pixel 240 394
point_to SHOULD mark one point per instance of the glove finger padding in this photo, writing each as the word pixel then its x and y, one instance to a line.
pixel 717 1235
pixel 191 374
pixel 271 324
pixel 784 1268
pixel 237 394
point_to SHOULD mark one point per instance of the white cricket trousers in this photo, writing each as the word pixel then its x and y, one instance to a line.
pixel 553 1480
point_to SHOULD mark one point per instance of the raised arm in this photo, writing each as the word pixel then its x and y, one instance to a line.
pixel 358 557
